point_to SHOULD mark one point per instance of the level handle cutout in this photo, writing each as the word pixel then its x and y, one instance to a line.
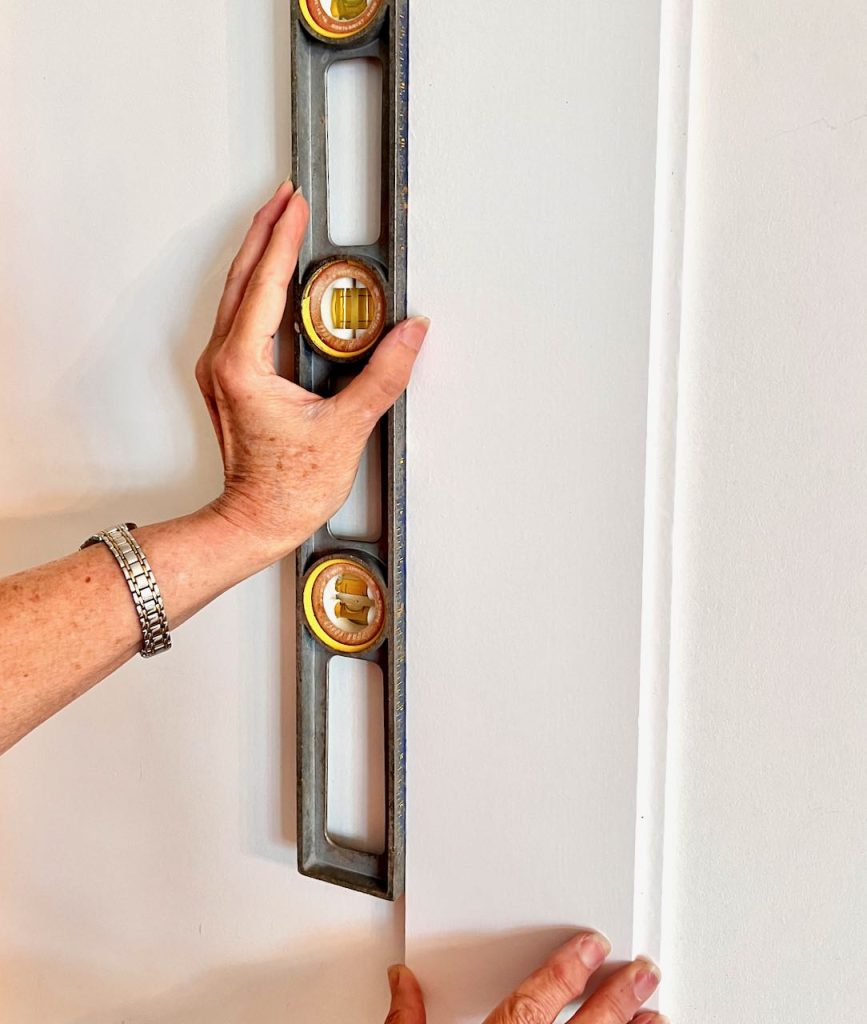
pixel 360 516
pixel 354 137
pixel 355 801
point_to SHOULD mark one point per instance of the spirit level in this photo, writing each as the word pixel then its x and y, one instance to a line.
pixel 350 594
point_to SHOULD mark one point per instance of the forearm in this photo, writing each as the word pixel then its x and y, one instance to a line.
pixel 67 625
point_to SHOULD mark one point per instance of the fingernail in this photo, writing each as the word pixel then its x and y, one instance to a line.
pixel 298 192
pixel 414 332
pixel 393 977
pixel 646 980
pixel 593 950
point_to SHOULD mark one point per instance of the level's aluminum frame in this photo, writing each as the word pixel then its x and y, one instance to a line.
pixel 318 855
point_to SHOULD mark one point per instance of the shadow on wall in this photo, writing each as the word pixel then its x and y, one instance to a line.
pixel 323 987
pixel 335 985
pixel 185 277
pixel 23 541
pixel 34 539
pixel 172 280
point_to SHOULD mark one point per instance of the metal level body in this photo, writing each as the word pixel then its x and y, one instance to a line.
pixel 386 40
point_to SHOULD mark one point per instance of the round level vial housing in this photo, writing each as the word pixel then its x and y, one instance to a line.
pixel 336 20
pixel 344 604
pixel 343 309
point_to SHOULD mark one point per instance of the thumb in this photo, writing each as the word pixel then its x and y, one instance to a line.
pixel 379 385
pixel 407 1003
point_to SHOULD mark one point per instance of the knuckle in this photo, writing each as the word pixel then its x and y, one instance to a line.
pixel 364 419
pixel 366 414
pixel 562 979
pixel 405 1015
pixel 227 373
pixel 203 375
pixel 389 384
pixel 393 383
pixel 350 413
pixel 521 1008
pixel 266 278
pixel 235 270
pixel 615 1007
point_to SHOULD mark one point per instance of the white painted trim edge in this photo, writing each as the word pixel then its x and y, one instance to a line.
pixel 662 411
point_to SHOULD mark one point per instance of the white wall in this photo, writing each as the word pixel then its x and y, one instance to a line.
pixel 765 899
pixel 531 240
pixel 147 859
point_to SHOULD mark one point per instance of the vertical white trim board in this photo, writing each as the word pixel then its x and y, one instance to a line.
pixel 531 246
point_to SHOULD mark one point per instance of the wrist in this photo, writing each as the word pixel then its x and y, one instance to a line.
pixel 240 530
pixel 199 556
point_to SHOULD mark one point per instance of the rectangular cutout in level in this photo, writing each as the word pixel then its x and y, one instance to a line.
pixel 355 801
pixel 354 137
pixel 360 516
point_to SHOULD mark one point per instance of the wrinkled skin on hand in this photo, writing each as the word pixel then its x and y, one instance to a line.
pixel 290 457
pixel 557 983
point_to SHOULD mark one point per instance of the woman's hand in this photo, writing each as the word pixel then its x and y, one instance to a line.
pixel 558 982
pixel 290 457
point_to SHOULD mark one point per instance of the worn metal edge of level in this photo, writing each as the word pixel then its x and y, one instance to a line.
pixel 318 856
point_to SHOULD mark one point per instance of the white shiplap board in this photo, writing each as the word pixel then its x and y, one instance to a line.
pixel 533 157
pixel 764 895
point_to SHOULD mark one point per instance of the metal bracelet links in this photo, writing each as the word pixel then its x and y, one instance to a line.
pixel 142 585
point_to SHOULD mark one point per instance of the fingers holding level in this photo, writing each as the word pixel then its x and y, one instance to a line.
pixel 407 1002
pixel 620 997
pixel 375 390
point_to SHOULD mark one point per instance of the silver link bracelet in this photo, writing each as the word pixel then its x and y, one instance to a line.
pixel 142 585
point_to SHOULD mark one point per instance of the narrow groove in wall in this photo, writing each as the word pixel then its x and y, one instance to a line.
pixel 660 484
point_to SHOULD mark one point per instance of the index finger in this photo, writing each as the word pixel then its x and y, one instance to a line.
pixel 560 980
pixel 264 302
pixel 620 996
pixel 251 251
